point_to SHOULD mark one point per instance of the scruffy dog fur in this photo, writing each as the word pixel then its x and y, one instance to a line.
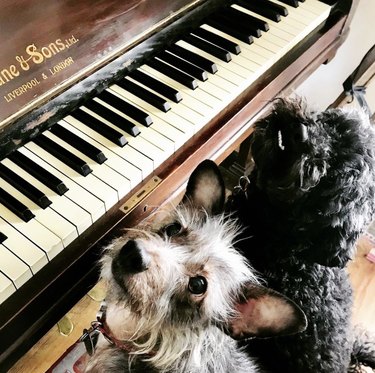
pixel 311 194
pixel 178 292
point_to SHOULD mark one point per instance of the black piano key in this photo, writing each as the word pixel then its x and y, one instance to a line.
pixel 208 47
pixel 24 187
pixel 113 117
pixel 214 22
pixel 267 4
pixel 282 10
pixel 44 176
pixel 262 8
pixel 63 155
pixel 153 99
pixel 173 73
pixel 241 21
pixel 3 237
pixel 194 58
pixel 293 3
pixel 240 25
pixel 183 65
pixel 18 208
pixel 78 143
pixel 125 107
pixel 156 85
pixel 98 126
pixel 244 17
pixel 218 40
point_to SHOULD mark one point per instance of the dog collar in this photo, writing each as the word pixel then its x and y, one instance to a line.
pixel 99 326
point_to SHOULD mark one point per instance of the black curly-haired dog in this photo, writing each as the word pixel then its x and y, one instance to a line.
pixel 311 194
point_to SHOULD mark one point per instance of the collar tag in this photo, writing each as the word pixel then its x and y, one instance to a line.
pixel 90 338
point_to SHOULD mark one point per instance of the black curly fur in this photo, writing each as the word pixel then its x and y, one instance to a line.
pixel 363 350
pixel 311 194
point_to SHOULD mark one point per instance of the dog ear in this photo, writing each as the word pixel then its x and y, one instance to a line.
pixel 205 188
pixel 263 312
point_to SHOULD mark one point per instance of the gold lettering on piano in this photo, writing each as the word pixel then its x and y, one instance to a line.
pixel 8 74
pixel 61 66
pixel 34 55
pixel 21 90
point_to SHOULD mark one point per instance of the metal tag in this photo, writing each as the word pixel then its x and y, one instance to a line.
pixel 137 198
pixel 90 339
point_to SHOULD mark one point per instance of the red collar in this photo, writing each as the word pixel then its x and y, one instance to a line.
pixel 104 329
pixel 90 336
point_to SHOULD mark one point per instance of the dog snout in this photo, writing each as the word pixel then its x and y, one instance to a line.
pixel 294 132
pixel 132 258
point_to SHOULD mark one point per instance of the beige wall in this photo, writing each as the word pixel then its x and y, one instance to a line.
pixel 325 85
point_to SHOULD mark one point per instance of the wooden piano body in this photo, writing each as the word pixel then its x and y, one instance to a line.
pixel 56 56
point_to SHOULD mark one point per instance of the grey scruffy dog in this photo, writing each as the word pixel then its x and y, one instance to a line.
pixel 311 194
pixel 179 294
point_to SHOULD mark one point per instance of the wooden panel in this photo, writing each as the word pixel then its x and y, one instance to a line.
pixel 46 45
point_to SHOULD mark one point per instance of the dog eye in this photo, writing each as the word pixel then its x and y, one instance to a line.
pixel 197 285
pixel 172 229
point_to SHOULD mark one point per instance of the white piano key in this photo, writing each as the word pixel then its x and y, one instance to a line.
pixel 23 248
pixel 61 204
pixel 50 243
pixel 316 7
pixel 76 193
pixel 304 16
pixel 284 24
pixel 304 9
pixel 181 109
pixel 259 57
pixel 229 71
pixel 300 16
pixel 279 28
pixel 311 7
pixel 177 136
pixel 134 152
pixel 192 103
pixel 219 79
pixel 6 288
pixel 15 269
pixel 124 154
pixel 121 166
pixel 165 145
pixel 186 93
pixel 293 17
pixel 181 119
pixel 185 129
pixel 90 182
pixel 150 151
pixel 266 45
pixel 101 171
pixel 47 217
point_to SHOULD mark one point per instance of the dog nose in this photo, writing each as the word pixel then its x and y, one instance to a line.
pixel 132 258
pixel 293 137
pixel 301 133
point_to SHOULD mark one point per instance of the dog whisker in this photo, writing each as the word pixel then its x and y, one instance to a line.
pixel 179 294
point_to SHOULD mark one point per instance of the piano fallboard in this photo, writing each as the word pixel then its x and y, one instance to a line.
pixel 53 44
pixel 22 120
pixel 27 314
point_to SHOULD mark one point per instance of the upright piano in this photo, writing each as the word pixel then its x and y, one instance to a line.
pixel 105 109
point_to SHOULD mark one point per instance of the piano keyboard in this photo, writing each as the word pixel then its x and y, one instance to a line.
pixel 54 188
